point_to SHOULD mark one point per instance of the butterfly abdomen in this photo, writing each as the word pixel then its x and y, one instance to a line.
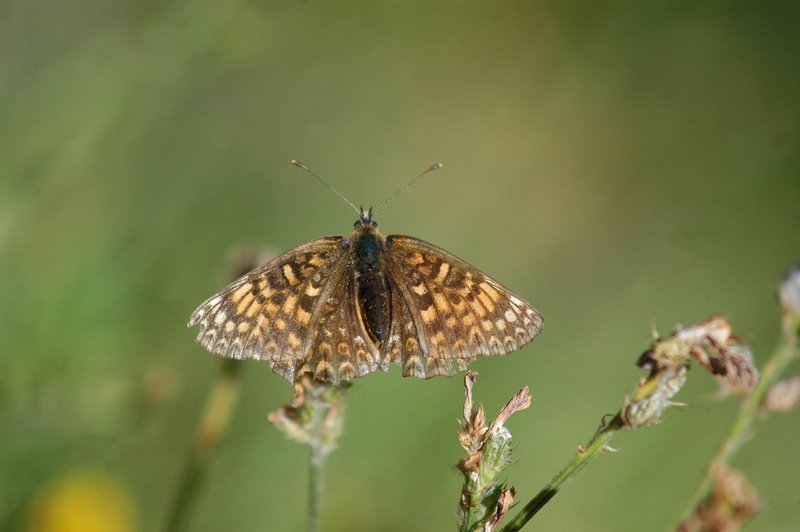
pixel 371 283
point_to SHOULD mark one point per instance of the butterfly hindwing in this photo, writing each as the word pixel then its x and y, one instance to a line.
pixel 459 312
pixel 340 346
pixel 405 345
pixel 270 313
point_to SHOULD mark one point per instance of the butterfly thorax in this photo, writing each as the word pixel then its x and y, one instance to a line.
pixel 371 278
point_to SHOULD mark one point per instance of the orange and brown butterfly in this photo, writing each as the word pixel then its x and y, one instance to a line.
pixel 342 307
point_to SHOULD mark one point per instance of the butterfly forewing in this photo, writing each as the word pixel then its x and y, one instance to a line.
pixel 271 313
pixel 459 312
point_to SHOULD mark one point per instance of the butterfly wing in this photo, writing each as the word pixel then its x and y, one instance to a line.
pixel 404 345
pixel 275 313
pixel 340 347
pixel 449 311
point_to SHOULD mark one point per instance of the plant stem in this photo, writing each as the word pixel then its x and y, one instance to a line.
pixel 209 432
pixel 596 446
pixel 316 469
pixel 317 452
pixel 741 429
pixel 314 418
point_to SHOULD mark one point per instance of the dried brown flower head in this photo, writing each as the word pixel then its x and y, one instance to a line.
pixel 731 502
pixel 652 397
pixel 713 345
pixel 783 396
pixel 483 500
pixel 789 292
pixel 314 416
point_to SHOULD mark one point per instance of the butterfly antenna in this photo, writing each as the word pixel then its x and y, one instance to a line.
pixel 431 168
pixel 307 169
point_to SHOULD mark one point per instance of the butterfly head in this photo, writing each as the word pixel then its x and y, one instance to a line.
pixel 365 219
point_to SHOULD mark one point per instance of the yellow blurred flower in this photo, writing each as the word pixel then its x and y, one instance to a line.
pixel 82 501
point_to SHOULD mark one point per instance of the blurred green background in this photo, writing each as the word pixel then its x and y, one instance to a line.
pixel 618 166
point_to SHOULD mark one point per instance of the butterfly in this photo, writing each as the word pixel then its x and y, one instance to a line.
pixel 343 307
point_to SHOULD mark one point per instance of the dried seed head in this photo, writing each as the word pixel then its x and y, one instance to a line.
pixel 783 396
pixel 740 373
pixel 652 398
pixel 483 501
pixel 678 347
pixel 713 345
pixel 520 401
pixel 789 295
pixel 504 501
pixel 731 502
pixel 469 382
pixel 314 415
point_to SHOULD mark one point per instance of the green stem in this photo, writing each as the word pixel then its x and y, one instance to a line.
pixel 209 432
pixel 316 469
pixel 741 429
pixel 595 447
pixel 314 418
pixel 323 399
